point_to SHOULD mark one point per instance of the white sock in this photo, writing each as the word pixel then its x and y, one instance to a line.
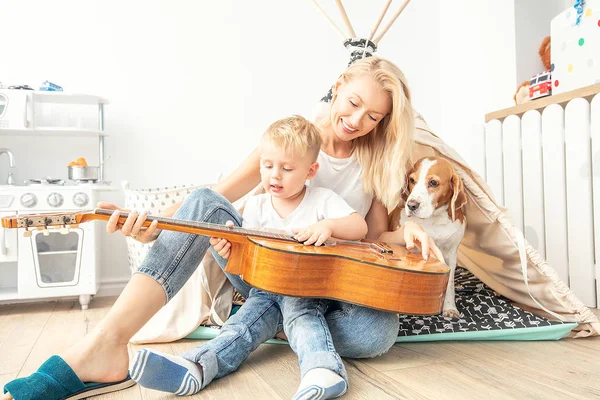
pixel 167 373
pixel 320 383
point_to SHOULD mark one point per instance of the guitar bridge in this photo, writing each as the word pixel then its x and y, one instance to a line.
pixel 382 248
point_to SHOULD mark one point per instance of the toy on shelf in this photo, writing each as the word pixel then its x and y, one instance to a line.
pixel 50 87
pixel 539 85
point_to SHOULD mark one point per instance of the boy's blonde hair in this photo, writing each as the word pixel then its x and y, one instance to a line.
pixel 385 153
pixel 295 134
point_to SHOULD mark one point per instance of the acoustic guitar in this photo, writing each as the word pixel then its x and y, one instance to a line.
pixel 367 273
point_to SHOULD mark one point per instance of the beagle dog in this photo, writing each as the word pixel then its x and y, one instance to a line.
pixel 433 198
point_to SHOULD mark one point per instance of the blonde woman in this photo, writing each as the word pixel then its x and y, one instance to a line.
pixel 367 135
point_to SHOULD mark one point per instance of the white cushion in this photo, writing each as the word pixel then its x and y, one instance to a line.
pixel 154 201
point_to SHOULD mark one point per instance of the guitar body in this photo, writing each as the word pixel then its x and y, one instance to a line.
pixel 398 282
pixel 370 274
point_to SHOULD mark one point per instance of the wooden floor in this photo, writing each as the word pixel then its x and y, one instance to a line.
pixel 567 369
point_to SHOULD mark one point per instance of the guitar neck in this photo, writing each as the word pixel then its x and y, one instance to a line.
pixel 234 234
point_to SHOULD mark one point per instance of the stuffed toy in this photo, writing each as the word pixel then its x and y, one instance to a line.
pixel 522 94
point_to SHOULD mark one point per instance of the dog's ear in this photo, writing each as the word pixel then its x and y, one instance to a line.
pixel 394 216
pixel 404 195
pixel 405 190
pixel 459 198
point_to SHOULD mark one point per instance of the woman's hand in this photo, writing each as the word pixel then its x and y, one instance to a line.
pixel 132 226
pixel 222 246
pixel 414 235
pixel 315 234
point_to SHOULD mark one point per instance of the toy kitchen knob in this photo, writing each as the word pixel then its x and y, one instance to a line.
pixel 80 199
pixel 55 199
pixel 28 200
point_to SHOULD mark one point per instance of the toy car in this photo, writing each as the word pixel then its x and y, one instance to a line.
pixel 50 87
pixel 540 85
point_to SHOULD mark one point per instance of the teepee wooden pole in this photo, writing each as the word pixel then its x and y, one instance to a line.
pixel 344 37
pixel 388 26
pixel 387 5
pixel 345 17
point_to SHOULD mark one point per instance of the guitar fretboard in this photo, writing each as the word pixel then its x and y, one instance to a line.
pixel 208 226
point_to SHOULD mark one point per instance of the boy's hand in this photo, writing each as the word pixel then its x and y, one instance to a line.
pixel 222 246
pixel 315 234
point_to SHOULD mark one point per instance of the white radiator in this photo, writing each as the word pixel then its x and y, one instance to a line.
pixel 545 168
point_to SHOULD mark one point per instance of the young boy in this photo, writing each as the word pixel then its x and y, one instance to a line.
pixel 289 152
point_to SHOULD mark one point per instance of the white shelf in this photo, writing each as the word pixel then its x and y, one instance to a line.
pixel 51 131
pixel 67 98
pixel 8 293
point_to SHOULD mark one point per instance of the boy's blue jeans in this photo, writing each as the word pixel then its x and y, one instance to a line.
pixel 259 320
pixel 357 332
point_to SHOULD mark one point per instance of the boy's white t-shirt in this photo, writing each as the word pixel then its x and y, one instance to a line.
pixel 319 203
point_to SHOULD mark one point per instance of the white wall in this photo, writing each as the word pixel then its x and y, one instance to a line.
pixel 532 25
pixel 193 84
pixel 477 70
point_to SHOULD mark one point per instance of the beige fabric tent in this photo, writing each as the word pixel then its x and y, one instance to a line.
pixel 495 251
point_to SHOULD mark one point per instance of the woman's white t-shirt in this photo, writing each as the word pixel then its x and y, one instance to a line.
pixel 344 177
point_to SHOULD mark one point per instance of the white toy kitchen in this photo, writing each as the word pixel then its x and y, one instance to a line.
pixel 56 261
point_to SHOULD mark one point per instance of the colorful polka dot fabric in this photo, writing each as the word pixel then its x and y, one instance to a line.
pixel 576 48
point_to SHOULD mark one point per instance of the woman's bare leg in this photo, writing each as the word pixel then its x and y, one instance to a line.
pixel 102 355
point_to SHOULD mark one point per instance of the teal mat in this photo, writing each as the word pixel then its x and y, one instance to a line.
pixel 552 332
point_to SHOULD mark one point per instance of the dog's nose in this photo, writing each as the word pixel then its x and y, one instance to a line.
pixel 413 205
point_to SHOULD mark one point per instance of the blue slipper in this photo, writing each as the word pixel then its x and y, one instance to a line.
pixel 55 380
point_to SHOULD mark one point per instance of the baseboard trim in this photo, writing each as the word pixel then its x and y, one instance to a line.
pixel 112 286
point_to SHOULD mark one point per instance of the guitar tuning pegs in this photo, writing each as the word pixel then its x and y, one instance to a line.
pixel 46 232
pixel 64 229
pixel 73 226
pixel 27 233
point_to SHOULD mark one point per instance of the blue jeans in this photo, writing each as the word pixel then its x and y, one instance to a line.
pixel 257 321
pixel 358 332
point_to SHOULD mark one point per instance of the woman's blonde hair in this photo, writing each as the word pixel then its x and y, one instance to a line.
pixel 385 153
pixel 295 134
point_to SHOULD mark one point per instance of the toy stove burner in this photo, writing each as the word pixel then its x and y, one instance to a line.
pixel 81 181
pixel 46 181
pixel 94 183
